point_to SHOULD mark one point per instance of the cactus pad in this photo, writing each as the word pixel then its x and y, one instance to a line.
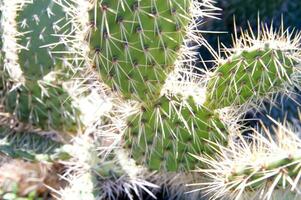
pixel 249 74
pixel 135 43
pixel 162 134
pixel 41 99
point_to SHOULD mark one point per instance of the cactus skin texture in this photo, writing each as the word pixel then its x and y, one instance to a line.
pixel 134 46
pixel 159 138
pixel 249 74
pixel 40 100
pixel 136 43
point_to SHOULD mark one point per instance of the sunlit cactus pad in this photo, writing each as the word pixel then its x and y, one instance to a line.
pixel 162 134
pixel 250 74
pixel 135 43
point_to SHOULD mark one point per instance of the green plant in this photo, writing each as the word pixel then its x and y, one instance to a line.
pixel 261 167
pixel 145 52
pixel 168 125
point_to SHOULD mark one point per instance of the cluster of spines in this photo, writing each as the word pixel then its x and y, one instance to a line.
pixel 263 164
pixel 256 66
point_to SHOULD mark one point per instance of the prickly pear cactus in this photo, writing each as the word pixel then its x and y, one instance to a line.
pixel 251 73
pixel 135 43
pixel 34 76
pixel 261 160
pixel 135 47
pixel 126 52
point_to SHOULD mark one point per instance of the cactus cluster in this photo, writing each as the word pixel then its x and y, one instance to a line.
pixel 157 113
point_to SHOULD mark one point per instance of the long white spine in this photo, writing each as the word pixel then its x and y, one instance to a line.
pixel 9 38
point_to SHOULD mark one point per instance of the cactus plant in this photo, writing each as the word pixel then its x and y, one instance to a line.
pixel 254 72
pixel 258 161
pixel 246 14
pixel 261 68
pixel 134 58
pixel 144 51
pixel 275 57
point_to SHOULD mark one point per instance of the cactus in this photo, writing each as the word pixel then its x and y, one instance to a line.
pixel 166 128
pixel 144 51
pixel 136 45
pixel 259 161
pixel 263 165
pixel 34 78
pixel 254 72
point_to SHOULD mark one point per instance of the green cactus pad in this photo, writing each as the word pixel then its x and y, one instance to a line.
pixel 39 22
pixel 249 74
pixel 159 138
pixel 41 100
pixel 134 44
